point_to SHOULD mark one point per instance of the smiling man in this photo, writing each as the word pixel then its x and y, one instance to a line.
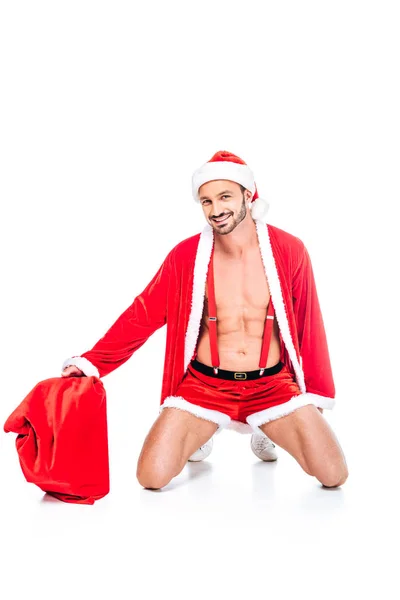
pixel 246 345
pixel 224 221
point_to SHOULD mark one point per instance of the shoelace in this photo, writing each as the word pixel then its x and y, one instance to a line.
pixel 261 443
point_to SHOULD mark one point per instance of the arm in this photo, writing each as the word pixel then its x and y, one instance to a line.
pixel 311 331
pixel 146 314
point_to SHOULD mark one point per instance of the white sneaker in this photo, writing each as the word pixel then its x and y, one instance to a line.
pixel 263 447
pixel 202 452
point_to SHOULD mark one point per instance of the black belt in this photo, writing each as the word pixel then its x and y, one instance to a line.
pixel 236 375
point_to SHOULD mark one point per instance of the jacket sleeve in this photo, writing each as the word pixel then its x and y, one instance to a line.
pixel 146 314
pixel 311 331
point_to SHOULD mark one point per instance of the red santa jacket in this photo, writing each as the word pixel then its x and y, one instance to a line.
pixel 175 297
pixel 62 438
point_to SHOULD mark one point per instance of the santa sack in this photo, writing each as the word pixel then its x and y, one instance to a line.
pixel 62 439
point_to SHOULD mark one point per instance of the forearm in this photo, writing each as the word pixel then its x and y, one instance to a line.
pixel 129 332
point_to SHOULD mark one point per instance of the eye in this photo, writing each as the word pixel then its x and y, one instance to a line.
pixel 225 196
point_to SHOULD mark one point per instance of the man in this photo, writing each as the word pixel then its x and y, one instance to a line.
pixel 246 346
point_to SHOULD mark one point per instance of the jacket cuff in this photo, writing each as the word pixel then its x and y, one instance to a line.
pixel 83 364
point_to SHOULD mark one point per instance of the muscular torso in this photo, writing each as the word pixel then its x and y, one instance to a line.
pixel 242 297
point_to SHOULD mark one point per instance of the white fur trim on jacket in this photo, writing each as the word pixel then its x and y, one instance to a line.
pixel 275 412
pixel 275 289
pixel 83 364
pixel 203 256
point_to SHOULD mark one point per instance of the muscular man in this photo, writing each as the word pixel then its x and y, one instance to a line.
pixel 246 346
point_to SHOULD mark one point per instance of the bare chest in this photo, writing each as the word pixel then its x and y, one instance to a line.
pixel 241 286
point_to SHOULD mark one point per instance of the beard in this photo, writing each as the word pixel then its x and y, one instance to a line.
pixel 233 222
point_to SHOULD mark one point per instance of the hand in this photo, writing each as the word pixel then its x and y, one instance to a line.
pixel 72 371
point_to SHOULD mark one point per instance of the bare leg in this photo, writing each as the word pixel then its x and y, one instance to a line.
pixel 307 436
pixel 172 439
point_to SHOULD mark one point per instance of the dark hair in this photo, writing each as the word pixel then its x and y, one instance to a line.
pixel 241 187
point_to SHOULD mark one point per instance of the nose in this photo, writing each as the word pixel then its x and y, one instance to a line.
pixel 217 210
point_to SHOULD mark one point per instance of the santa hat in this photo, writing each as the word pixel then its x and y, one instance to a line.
pixel 225 165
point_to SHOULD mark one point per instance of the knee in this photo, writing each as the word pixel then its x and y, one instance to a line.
pixel 335 476
pixel 152 479
pixel 154 476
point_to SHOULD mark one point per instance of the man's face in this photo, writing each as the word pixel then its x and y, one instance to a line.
pixel 223 204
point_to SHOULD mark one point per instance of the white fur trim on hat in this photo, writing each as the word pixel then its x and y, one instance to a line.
pixel 222 169
pixel 259 209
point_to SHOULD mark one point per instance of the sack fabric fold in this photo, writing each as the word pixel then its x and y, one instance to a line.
pixel 62 440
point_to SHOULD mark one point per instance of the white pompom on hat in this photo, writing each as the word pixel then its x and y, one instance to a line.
pixel 225 165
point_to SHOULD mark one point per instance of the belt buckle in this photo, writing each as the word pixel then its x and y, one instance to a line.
pixel 240 375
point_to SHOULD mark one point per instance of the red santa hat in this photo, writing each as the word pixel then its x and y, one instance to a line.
pixel 225 165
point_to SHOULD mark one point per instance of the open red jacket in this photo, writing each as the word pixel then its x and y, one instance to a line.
pixel 175 297
pixel 62 440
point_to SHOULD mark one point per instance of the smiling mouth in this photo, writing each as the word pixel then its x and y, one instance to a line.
pixel 222 220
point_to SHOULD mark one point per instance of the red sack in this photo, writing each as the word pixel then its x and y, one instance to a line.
pixel 62 441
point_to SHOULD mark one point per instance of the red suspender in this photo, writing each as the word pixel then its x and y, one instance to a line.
pixel 269 321
pixel 212 312
pixel 212 318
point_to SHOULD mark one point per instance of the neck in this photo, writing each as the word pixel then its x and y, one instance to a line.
pixel 243 238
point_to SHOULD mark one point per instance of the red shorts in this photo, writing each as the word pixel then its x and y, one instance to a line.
pixel 242 405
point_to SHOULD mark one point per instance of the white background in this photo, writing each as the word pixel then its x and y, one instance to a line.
pixel 106 110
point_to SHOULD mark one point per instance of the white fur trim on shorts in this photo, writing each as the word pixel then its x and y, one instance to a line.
pixel 221 419
pixel 275 412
